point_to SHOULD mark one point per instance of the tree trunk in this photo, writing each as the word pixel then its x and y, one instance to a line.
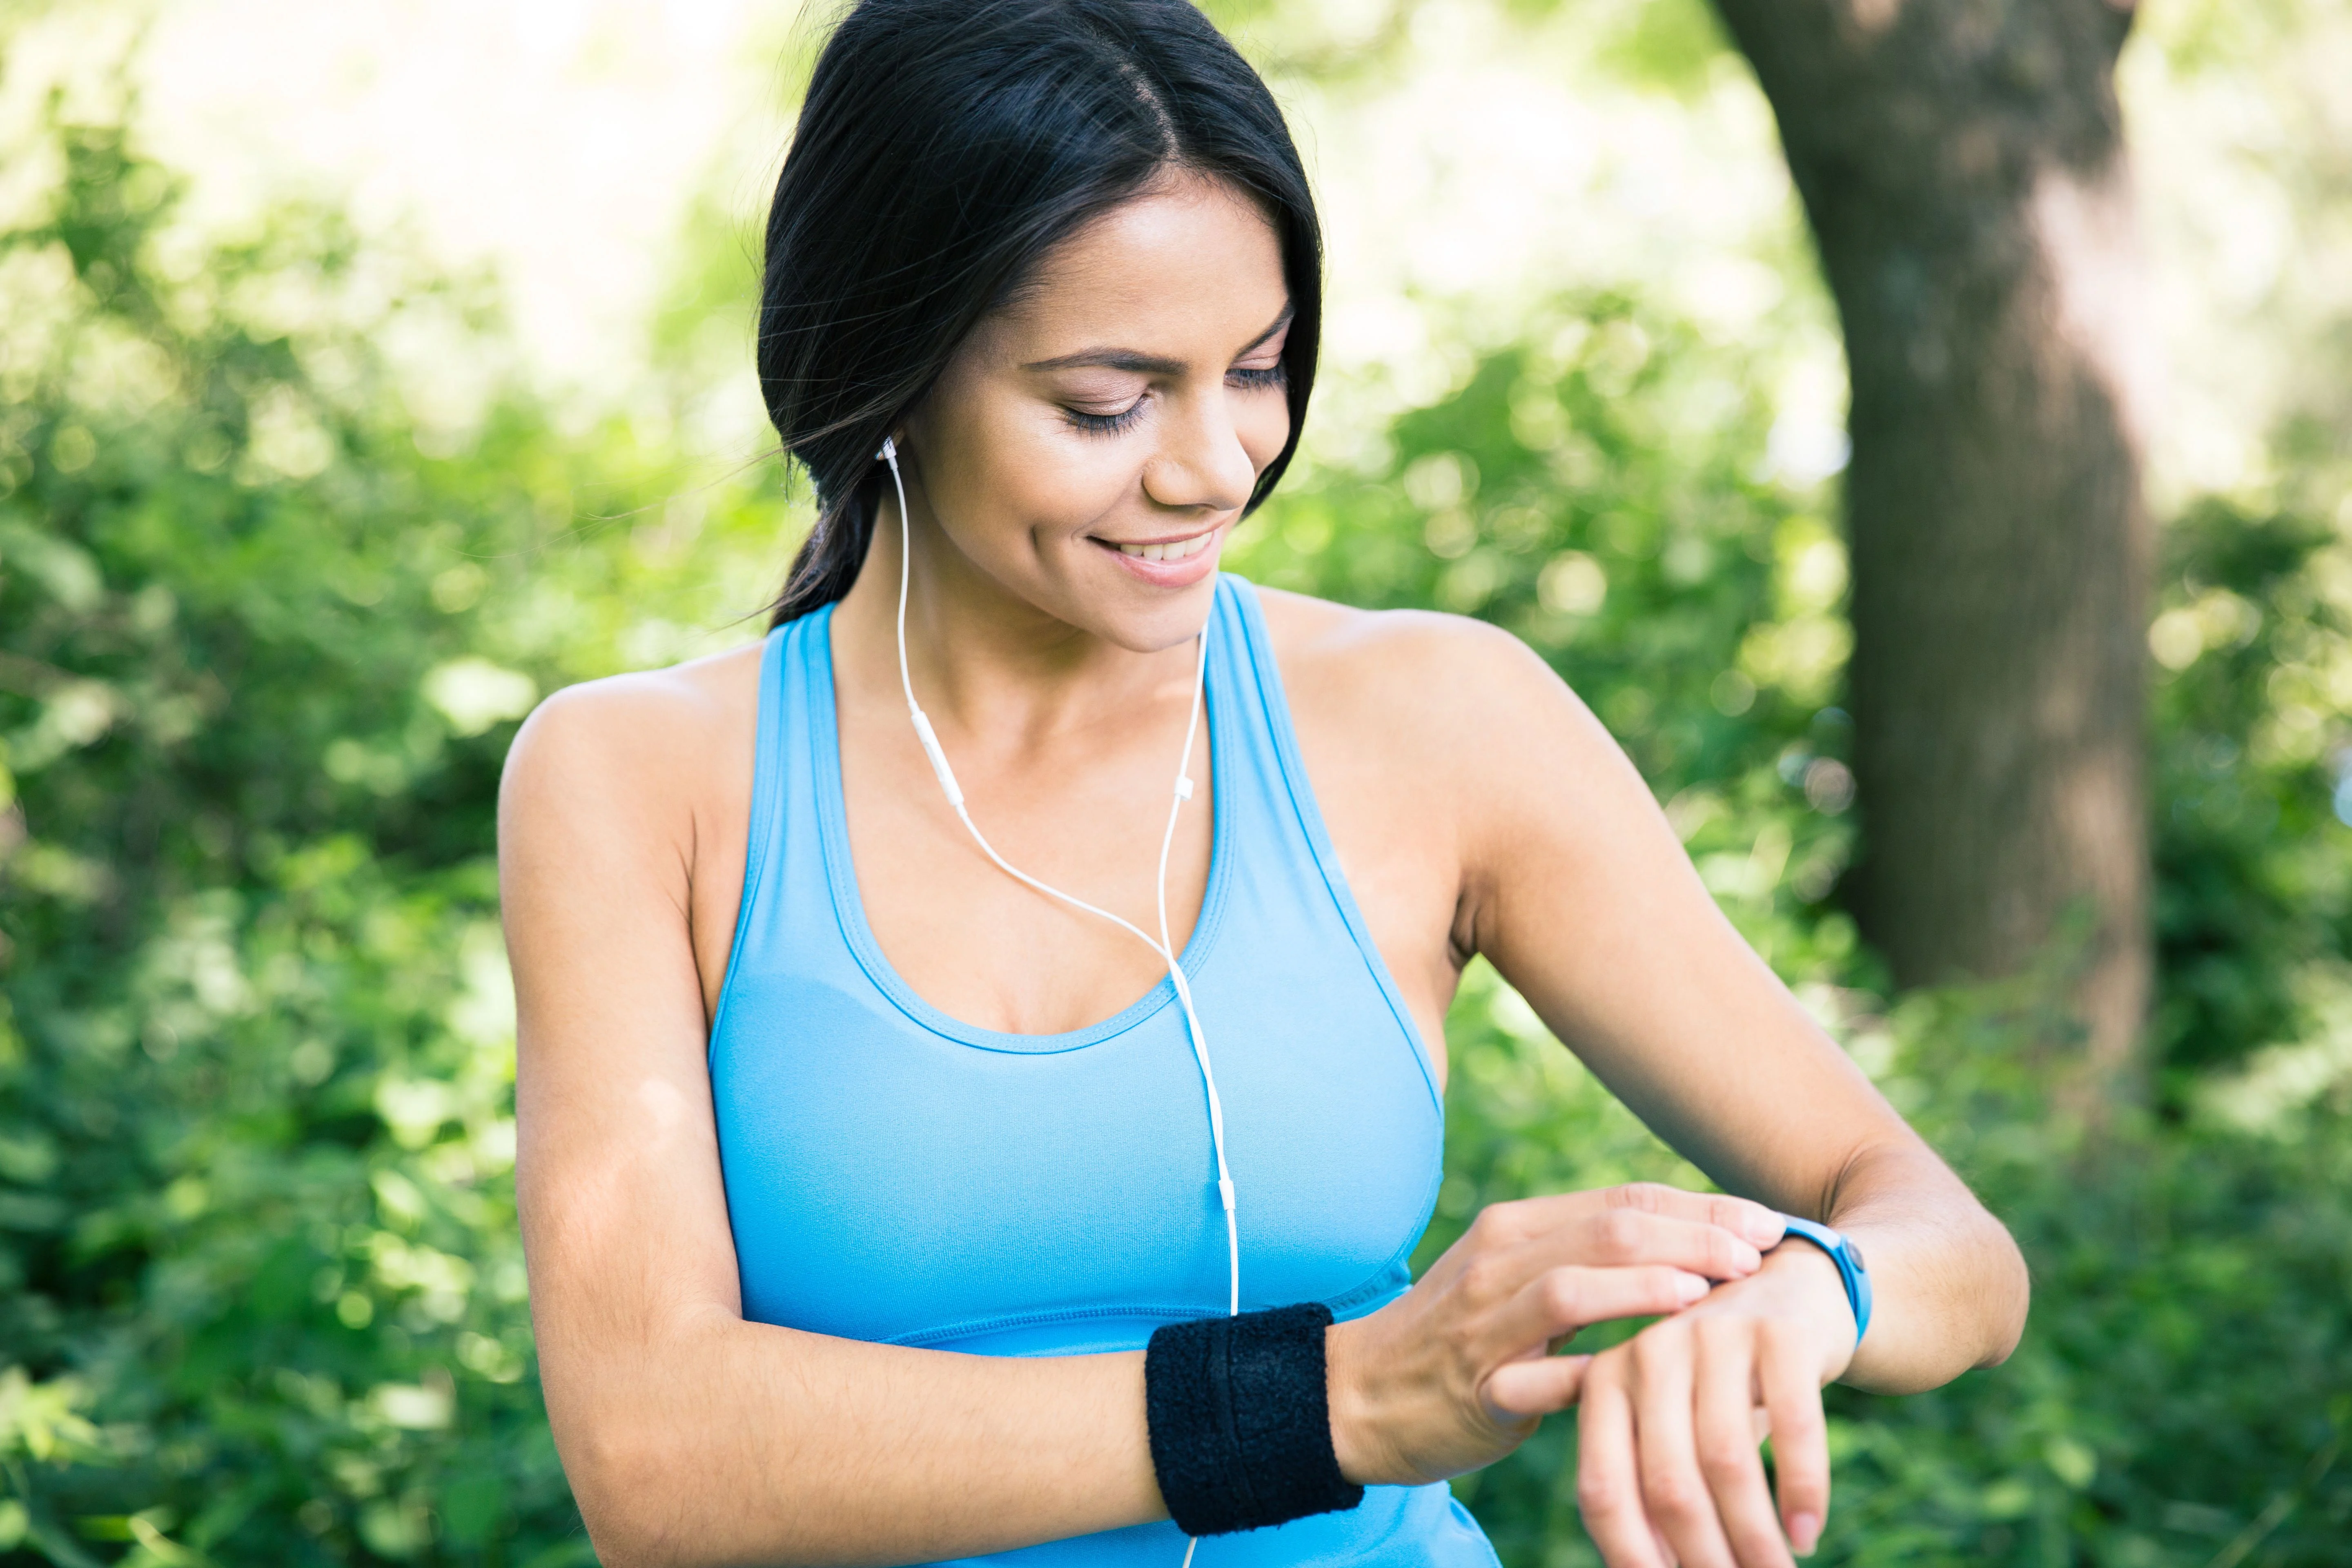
pixel 1962 163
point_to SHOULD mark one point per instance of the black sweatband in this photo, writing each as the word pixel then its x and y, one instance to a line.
pixel 1240 1420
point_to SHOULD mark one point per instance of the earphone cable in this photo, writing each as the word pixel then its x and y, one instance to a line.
pixel 1184 792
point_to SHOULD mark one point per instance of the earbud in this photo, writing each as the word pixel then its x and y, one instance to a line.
pixel 1165 947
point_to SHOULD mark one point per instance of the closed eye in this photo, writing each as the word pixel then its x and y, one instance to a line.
pixel 1248 377
pixel 1105 424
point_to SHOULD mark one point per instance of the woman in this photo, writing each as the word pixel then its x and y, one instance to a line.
pixel 874 1188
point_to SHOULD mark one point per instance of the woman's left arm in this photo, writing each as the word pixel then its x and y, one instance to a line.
pixel 1580 892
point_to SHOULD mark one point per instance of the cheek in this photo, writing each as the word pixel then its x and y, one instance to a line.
pixel 1025 471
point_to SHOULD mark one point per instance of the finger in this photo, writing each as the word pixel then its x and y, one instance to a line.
pixel 1524 1217
pixel 1724 1413
pixel 1674 1490
pixel 1608 1489
pixel 1494 1271
pixel 1627 1236
pixel 1801 1445
pixel 1751 1221
pixel 1559 1302
pixel 1536 1386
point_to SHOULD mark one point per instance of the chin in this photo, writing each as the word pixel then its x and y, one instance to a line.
pixel 1165 619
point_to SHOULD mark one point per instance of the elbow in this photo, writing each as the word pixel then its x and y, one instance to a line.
pixel 646 1498
pixel 637 1449
pixel 626 1488
pixel 2008 1296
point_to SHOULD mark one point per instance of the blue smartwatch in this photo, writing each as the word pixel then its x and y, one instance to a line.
pixel 1848 1258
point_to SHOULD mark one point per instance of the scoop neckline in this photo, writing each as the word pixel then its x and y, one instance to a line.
pixel 849 899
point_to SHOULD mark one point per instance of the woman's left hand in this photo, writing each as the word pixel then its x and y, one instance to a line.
pixel 1668 1470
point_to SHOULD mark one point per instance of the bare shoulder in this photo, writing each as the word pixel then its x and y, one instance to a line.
pixel 1417 681
pixel 1438 729
pixel 646 752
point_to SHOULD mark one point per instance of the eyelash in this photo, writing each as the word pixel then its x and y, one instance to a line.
pixel 1251 378
pixel 1106 423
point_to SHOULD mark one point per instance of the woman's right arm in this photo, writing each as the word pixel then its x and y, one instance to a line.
pixel 690 1436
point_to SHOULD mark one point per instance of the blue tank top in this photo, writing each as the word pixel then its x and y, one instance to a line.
pixel 895 1174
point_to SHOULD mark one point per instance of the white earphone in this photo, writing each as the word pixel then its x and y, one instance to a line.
pixel 1164 947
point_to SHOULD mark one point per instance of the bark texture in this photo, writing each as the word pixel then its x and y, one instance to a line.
pixel 1962 163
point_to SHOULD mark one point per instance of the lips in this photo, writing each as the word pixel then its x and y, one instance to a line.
pixel 1169 563
pixel 1183 549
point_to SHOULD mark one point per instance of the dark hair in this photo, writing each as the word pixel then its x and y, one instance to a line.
pixel 944 147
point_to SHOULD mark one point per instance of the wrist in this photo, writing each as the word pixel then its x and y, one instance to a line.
pixel 1813 1278
pixel 1374 1409
pixel 1354 1440
pixel 1237 1412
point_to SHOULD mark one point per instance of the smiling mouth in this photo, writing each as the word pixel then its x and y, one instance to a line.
pixel 1181 550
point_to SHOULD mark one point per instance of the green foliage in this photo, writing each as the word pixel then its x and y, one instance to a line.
pixel 265 629
pixel 2255 892
pixel 249 976
pixel 263 639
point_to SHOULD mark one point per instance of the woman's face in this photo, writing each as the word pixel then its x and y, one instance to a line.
pixel 1092 443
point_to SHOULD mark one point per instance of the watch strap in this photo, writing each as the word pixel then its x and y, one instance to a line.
pixel 1842 1252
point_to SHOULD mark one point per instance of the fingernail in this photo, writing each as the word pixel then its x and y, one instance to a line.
pixel 1764 1228
pixel 1804 1532
pixel 1689 1287
pixel 1748 1260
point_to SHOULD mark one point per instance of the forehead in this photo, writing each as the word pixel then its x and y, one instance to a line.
pixel 1192 259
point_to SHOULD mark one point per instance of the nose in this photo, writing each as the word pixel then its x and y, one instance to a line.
pixel 1201 464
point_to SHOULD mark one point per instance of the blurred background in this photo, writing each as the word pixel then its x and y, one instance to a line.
pixel 1922 429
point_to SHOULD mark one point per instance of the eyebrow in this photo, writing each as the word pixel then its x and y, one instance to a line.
pixel 1140 363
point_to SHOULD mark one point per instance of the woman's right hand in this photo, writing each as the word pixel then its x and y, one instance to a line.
pixel 1456 1373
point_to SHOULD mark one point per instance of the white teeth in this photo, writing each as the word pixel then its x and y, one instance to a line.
pixel 1180 551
